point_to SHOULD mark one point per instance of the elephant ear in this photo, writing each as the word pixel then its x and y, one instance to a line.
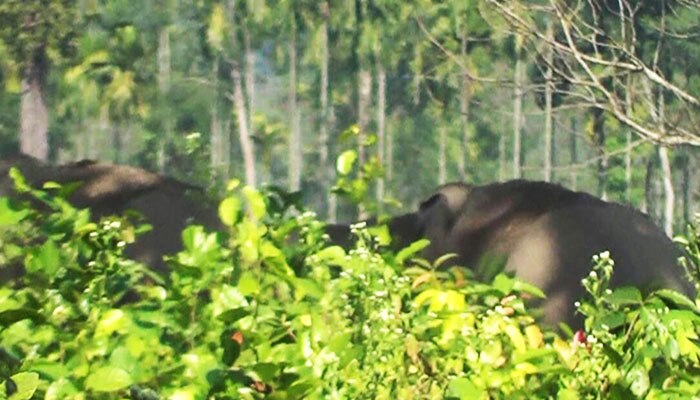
pixel 485 209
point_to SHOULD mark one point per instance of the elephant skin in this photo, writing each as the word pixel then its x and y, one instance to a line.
pixel 546 234
pixel 166 204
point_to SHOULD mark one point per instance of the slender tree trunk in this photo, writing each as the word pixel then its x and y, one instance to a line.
pixel 295 156
pixel 390 150
pixel 664 158
pixel 629 183
pixel 548 116
pixel 217 135
pixel 326 168
pixel 628 141
pixel 502 161
pixel 239 104
pixel 685 187
pixel 249 77
pixel 34 115
pixel 100 145
pixel 164 68
pixel 648 204
pixel 363 103
pixel 442 156
pixel 381 128
pixel 333 200
pixel 573 176
pixel 464 101
pixel 517 111
pixel 243 132
pixel 599 133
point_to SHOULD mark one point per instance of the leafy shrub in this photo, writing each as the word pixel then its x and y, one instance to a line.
pixel 268 310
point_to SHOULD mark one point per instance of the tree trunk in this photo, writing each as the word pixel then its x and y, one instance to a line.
pixel 243 132
pixel 517 110
pixel 34 115
pixel 390 150
pixel 333 200
pixel 326 168
pixel 667 176
pixel 295 156
pixel 628 167
pixel 364 99
pixel 648 204
pixel 599 134
pixel 249 77
pixel 464 101
pixel 669 195
pixel 686 187
pixel 628 139
pixel 573 154
pixel 502 162
pixel 164 68
pixel 442 156
pixel 548 117
pixel 217 144
pixel 381 120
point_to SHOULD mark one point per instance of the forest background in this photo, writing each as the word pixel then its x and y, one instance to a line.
pixel 599 95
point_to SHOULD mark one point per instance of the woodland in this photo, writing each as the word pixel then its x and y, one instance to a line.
pixel 295 114
pixel 600 96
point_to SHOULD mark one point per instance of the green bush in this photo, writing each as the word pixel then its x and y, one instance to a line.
pixel 268 310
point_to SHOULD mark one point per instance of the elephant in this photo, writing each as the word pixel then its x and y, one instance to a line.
pixel 546 235
pixel 166 204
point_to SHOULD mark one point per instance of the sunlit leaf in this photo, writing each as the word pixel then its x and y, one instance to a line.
pixel 345 162
pixel 108 379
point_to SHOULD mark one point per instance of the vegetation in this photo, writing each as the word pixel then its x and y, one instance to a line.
pixel 482 90
pixel 268 310
pixel 601 96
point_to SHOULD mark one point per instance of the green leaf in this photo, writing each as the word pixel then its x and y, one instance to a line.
pixel 229 210
pixel 232 315
pixel 108 379
pixel 465 389
pixel 9 216
pixel 346 161
pixel 503 283
pixel 26 384
pixel 625 296
pixel 413 249
pixel 522 286
pixel 638 379
pixel 19 181
pixel 677 298
pixel 44 260
pixel 248 284
pixel 333 255
pixel 612 320
pixel 60 389
pixel 307 287
pixel 110 322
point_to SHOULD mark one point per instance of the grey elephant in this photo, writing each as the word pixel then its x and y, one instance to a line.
pixel 546 234
pixel 166 204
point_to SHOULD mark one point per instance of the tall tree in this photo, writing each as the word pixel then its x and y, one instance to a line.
pixel 295 154
pixel 164 81
pixel 237 97
pixel 548 112
pixel 518 82
pixel 35 32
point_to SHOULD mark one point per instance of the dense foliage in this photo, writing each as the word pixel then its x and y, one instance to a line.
pixel 268 310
